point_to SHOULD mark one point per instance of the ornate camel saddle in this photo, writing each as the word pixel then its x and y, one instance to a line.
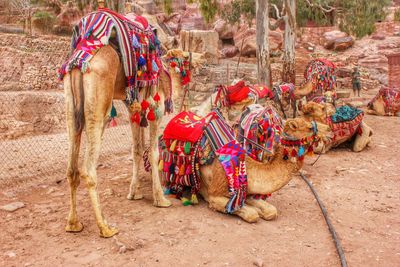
pixel 322 73
pixel 189 142
pixel 345 123
pixel 391 98
pixel 137 45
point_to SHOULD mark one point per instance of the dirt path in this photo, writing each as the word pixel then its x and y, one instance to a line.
pixel 360 191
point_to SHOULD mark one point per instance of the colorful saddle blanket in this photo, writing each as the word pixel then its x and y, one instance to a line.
pixel 322 73
pixel 391 98
pixel 345 123
pixel 259 131
pixel 138 45
pixel 181 158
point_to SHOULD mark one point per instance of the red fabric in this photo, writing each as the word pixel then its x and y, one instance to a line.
pixel 262 91
pixel 237 92
pixel 186 126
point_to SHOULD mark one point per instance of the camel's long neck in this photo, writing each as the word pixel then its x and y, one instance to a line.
pixel 304 90
pixel 265 178
pixel 204 108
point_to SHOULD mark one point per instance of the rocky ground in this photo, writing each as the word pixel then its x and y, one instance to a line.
pixel 360 191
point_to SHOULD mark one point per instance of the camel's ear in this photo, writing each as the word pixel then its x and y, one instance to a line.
pixel 293 125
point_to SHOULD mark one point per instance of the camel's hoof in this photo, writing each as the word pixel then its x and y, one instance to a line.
pixel 134 196
pixel 269 216
pixel 74 228
pixel 108 231
pixel 162 202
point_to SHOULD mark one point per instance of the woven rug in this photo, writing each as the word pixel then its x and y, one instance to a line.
pixel 138 45
pixel 344 130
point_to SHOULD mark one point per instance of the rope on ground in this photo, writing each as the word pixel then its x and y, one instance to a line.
pixel 328 222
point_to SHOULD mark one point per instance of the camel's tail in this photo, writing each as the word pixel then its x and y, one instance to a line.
pixel 78 99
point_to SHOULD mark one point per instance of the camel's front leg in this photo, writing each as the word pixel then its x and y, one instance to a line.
pixel 134 188
pixel 265 210
pixel 158 194
pixel 363 140
pixel 247 213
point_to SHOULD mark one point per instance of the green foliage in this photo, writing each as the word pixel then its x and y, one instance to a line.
pixel 209 8
pixel 44 15
pixel 397 15
pixel 232 12
pixel 167 5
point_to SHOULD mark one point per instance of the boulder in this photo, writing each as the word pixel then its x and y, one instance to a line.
pixel 328 39
pixel 225 30
pixel 229 51
pixel 165 39
pixel 173 22
pixel 148 5
pixel 201 42
pixel 344 72
pixel 248 37
pixel 343 43
pixel 378 36
pixel 192 19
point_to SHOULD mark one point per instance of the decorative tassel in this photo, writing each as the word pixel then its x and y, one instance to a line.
pixel 301 151
pixel 169 106
pixel 113 122
pixel 139 73
pixel 310 150
pixel 135 118
pixel 142 61
pixel 156 97
pixel 160 165
pixel 194 199
pixel 113 112
pixel 143 120
pixel 151 116
pixel 135 107
pixel 172 64
pixel 145 105
pixel 188 170
pixel 158 113
pixel 177 70
pixel 186 202
pixel 182 170
pixel 187 148
pixel 171 168
pixel 173 145
pixel 154 66
pixel 294 153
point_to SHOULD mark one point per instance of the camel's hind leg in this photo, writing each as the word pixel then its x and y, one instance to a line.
pixel 158 194
pixel 265 210
pixel 247 213
pixel 74 137
pixel 137 149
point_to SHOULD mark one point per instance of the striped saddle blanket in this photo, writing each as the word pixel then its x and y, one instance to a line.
pixel 391 98
pixel 138 45
pixel 182 154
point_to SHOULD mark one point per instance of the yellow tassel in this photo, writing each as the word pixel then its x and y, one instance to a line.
pixel 160 165
pixel 194 199
pixel 182 170
pixel 173 145
pixel 135 107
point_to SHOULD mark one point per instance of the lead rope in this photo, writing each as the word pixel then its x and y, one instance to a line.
pixel 339 248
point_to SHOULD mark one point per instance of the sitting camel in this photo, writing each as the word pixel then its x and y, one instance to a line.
pixel 190 162
pixel 353 130
pixel 386 102
pixel 89 96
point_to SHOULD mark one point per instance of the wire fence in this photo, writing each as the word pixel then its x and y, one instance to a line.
pixel 33 138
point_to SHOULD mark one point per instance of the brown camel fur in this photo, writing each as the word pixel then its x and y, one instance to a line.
pixel 320 113
pixel 89 99
pixel 263 178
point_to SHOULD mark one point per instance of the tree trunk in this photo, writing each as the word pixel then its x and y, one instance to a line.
pixel 289 72
pixel 121 6
pixel 262 29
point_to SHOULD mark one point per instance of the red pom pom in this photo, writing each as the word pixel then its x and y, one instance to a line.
pixel 113 122
pixel 135 118
pixel 151 116
pixel 173 64
pixel 294 153
pixel 156 97
pixel 185 80
pixel 285 152
pixel 145 105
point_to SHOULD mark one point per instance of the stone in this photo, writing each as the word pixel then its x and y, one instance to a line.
pixel 230 51
pixel 378 36
pixel 343 43
pixel 328 39
pixel 10 254
pixel 225 30
pixel 11 207
pixel 200 41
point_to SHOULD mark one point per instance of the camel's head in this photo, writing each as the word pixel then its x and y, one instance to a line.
pixel 305 89
pixel 300 136
pixel 318 112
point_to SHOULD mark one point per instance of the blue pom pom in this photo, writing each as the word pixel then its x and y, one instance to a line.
pixel 301 151
pixel 135 42
pixel 142 61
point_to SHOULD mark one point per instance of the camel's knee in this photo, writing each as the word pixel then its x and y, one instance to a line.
pixel 91 183
pixel 73 177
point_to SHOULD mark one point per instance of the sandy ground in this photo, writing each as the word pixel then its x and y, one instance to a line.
pixel 360 191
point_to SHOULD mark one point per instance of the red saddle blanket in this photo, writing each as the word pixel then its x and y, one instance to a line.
pixel 237 92
pixel 186 126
